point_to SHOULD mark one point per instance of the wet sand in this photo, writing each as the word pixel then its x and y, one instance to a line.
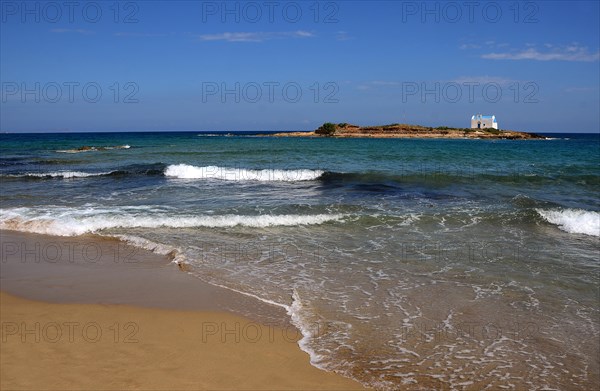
pixel 93 313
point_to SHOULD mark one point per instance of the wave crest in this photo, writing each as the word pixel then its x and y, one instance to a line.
pixel 59 174
pixel 63 222
pixel 186 171
pixel 573 220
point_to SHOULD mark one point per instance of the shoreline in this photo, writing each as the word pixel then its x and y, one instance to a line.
pixel 53 283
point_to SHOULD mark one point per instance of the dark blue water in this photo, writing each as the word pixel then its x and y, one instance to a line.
pixel 405 262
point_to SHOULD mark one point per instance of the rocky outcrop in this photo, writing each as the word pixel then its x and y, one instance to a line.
pixel 344 130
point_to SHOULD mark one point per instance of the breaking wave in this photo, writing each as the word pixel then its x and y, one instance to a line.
pixel 59 174
pixel 186 171
pixel 69 222
pixel 573 220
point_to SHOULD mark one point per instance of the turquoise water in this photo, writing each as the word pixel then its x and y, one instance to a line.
pixel 405 263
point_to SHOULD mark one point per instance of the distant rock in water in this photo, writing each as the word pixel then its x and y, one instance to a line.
pixel 345 130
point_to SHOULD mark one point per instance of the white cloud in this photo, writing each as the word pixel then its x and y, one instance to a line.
pixel 466 46
pixel 342 36
pixel 131 34
pixel 489 44
pixel 305 34
pixel 484 80
pixel 254 36
pixel 566 53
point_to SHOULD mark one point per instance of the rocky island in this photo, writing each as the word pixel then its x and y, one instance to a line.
pixel 345 130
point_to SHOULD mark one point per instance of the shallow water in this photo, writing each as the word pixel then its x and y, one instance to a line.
pixel 438 263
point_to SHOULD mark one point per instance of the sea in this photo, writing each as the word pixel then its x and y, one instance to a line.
pixel 405 263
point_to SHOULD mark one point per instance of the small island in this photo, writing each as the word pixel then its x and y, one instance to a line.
pixel 345 130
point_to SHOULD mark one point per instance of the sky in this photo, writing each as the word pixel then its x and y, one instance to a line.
pixel 68 66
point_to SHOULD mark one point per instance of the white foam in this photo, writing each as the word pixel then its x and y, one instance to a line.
pixel 149 245
pixel 61 174
pixel 296 312
pixel 79 150
pixel 72 222
pixel 271 302
pixel 186 171
pixel 573 220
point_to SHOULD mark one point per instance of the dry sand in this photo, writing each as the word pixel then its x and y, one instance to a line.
pixel 119 325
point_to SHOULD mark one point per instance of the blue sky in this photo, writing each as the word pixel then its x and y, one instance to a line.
pixel 292 65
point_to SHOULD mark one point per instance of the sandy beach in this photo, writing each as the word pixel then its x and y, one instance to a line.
pixel 90 313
